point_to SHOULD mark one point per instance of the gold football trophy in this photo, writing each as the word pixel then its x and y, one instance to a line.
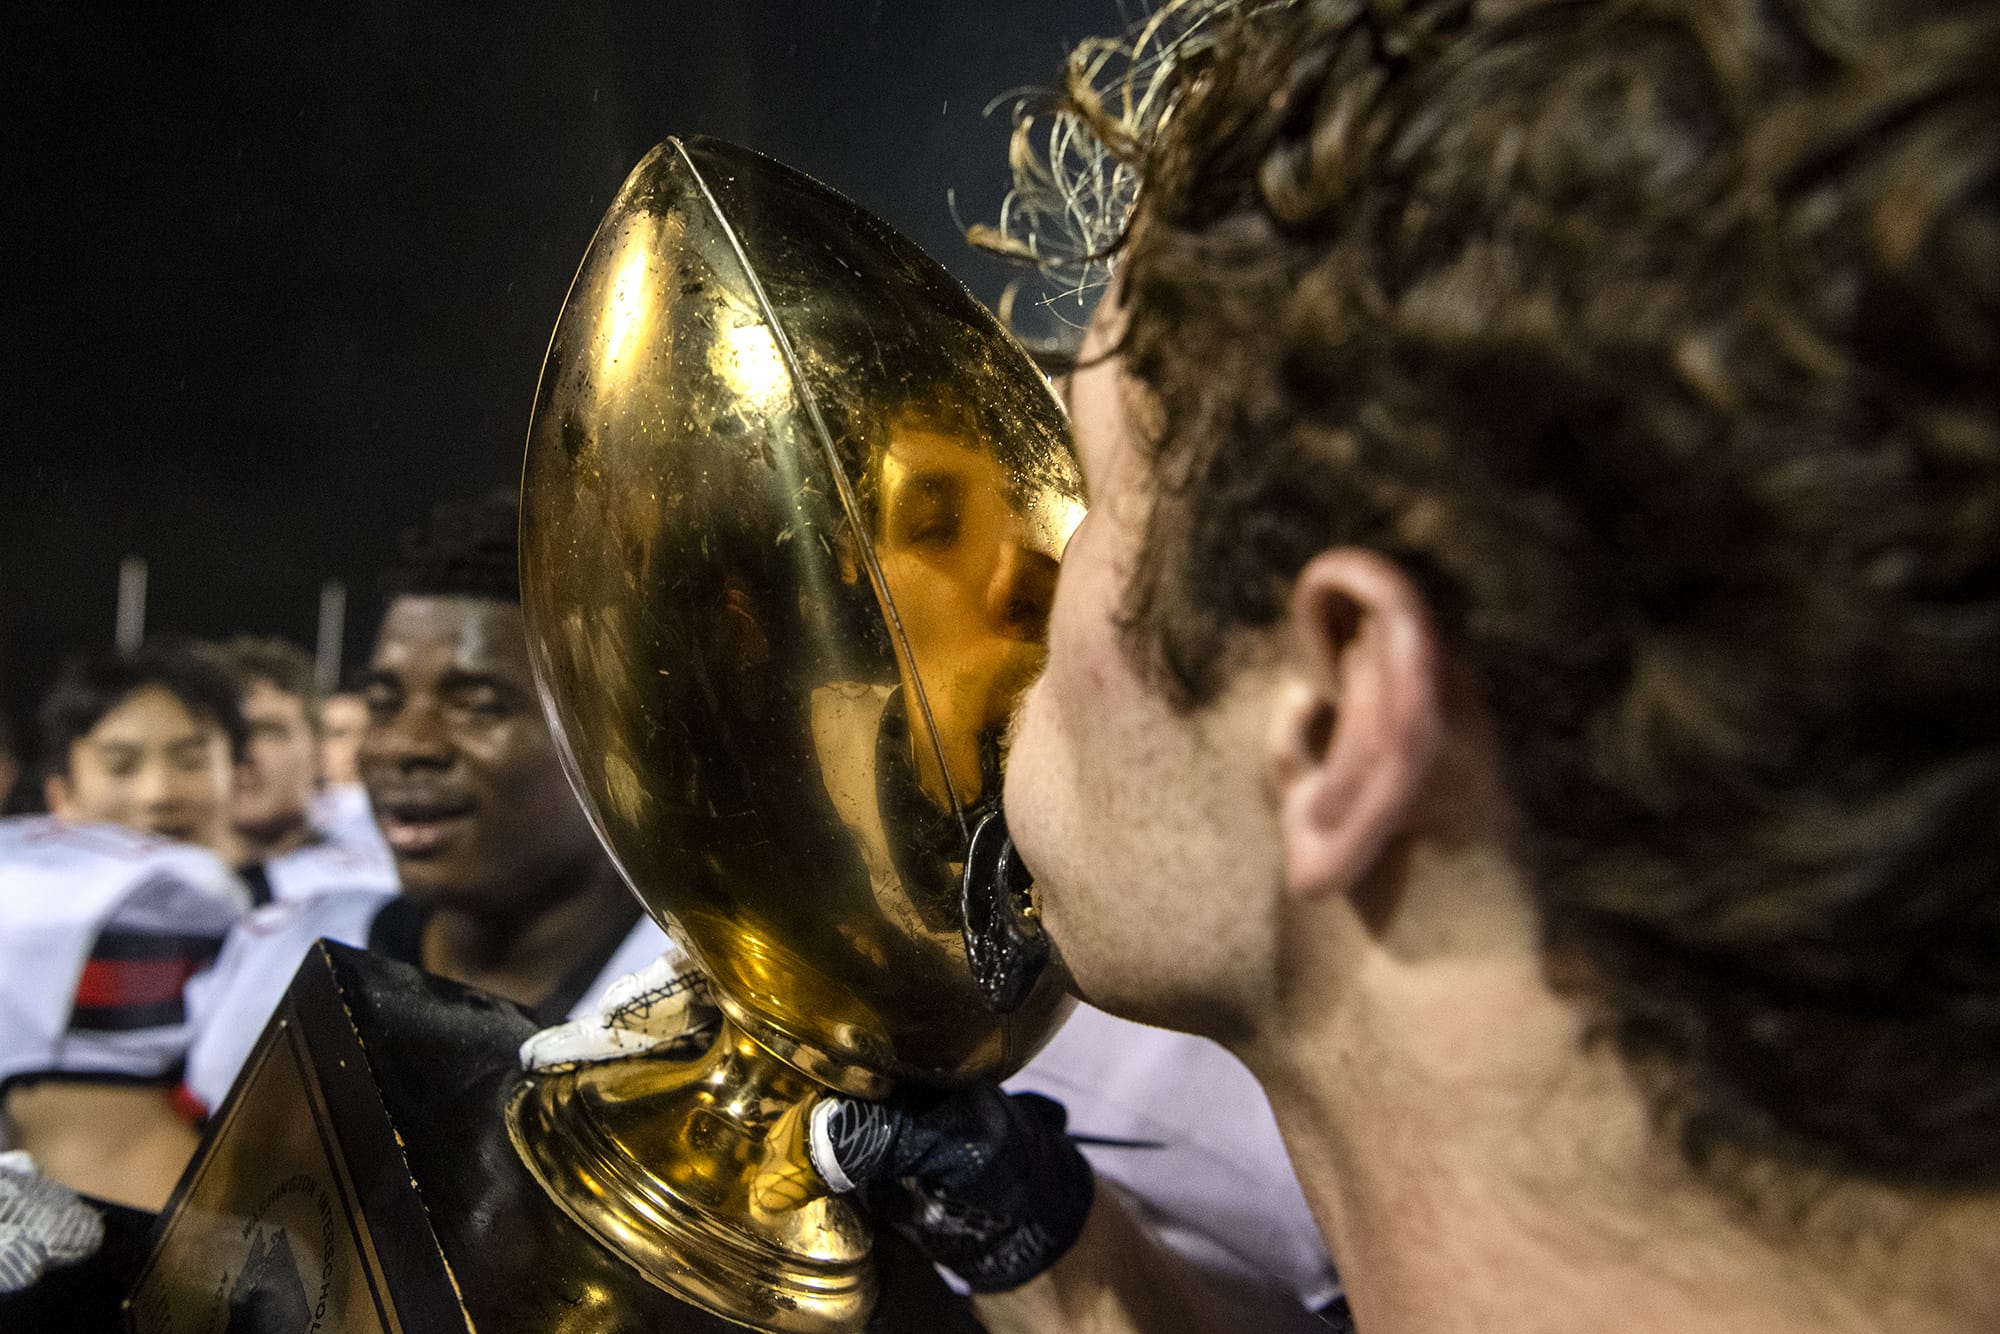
pixel 791 513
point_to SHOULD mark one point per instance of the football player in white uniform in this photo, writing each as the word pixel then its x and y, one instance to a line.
pixel 99 929
pixel 284 852
pixel 269 808
pixel 96 944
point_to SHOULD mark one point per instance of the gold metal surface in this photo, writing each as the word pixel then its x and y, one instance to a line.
pixel 710 1155
pixel 792 507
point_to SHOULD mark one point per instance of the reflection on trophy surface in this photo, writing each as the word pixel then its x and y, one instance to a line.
pixel 792 508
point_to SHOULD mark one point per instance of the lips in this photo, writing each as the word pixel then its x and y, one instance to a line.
pixel 422 826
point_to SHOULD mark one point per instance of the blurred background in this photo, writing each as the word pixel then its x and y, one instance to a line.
pixel 281 277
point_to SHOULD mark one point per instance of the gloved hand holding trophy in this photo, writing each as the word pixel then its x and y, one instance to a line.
pixel 987 1184
pixel 792 508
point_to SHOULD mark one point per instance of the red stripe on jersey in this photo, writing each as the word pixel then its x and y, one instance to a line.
pixel 111 983
pixel 191 1108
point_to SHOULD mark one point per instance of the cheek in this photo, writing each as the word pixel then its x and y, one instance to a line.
pixel 1066 756
pixel 522 776
pixel 372 757
pixel 101 794
pixel 925 599
pixel 1056 788
pixel 1059 711
pixel 205 786
pixel 1085 674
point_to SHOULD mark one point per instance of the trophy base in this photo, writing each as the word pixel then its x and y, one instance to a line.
pixel 696 1174
pixel 359 1180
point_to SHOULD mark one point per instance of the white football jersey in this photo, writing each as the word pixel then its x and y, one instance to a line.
pixel 342 813
pixel 100 927
pixel 229 1005
pixel 1195 1144
pixel 328 867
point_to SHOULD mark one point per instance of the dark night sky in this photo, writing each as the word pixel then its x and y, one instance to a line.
pixel 280 277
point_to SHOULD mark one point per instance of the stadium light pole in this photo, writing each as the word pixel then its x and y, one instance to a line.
pixel 130 631
pixel 332 628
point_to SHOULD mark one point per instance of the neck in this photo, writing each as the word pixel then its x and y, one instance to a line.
pixel 521 955
pixel 1477 1166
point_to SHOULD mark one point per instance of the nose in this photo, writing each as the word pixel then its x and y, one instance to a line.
pixel 1020 592
pixel 157 787
pixel 414 736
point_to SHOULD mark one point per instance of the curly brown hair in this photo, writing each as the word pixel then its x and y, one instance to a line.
pixel 1656 340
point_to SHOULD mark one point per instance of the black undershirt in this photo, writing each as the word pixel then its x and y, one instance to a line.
pixel 256 876
pixel 398 933
pixel 257 880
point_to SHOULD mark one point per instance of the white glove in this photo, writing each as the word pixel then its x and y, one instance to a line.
pixel 42 1224
pixel 663 1011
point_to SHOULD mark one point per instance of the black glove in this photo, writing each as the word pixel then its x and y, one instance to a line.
pixel 990 1186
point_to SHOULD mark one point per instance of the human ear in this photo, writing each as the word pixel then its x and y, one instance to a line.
pixel 1356 724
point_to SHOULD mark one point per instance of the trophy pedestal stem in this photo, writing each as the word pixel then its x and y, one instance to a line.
pixel 696 1173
